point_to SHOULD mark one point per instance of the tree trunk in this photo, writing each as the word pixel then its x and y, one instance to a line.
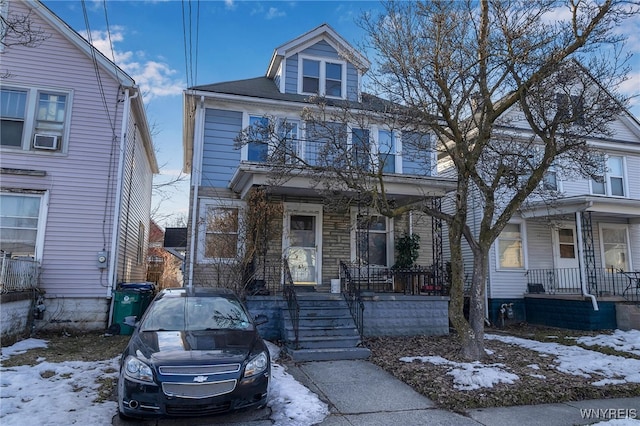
pixel 475 348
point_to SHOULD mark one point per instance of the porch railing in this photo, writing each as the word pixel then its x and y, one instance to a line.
pixel 18 274
pixel 353 298
pixel 600 282
pixel 417 280
pixel 289 294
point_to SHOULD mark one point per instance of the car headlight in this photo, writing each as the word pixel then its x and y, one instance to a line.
pixel 138 370
pixel 257 365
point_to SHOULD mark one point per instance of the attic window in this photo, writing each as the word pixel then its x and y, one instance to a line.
pixel 320 77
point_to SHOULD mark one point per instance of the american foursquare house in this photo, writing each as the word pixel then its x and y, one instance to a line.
pixel 282 241
pixel 75 179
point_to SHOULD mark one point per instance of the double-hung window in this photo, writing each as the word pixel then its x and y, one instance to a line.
pixel 19 223
pixel 387 151
pixel 258 146
pixel 613 181
pixel 615 247
pixel 510 247
pixel 33 119
pixel 373 240
pixel 288 148
pixel 221 232
pixel 322 77
pixel 360 148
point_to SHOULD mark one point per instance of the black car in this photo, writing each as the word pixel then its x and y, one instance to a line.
pixel 195 352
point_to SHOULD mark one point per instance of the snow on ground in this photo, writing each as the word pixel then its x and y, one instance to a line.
pixel 606 369
pixel 624 341
pixel 64 393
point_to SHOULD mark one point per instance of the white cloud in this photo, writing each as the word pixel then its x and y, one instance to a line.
pixel 155 78
pixel 274 12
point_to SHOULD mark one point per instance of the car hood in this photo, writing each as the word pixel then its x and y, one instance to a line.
pixel 195 346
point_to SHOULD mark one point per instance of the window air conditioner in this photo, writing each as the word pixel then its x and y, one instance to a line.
pixel 41 141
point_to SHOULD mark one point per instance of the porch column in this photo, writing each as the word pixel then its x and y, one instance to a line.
pixel 436 244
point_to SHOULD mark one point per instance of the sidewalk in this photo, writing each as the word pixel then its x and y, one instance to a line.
pixel 362 394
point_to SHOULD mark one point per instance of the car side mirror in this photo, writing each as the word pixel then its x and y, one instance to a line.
pixel 261 319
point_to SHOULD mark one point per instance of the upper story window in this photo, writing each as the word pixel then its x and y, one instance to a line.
pixel 258 147
pixel 33 119
pixel 387 151
pixel 570 108
pixel 613 181
pixel 322 77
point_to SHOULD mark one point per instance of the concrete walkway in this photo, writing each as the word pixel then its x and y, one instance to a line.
pixel 360 393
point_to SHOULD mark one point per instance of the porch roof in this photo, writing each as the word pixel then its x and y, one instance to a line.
pixel 402 187
pixel 600 205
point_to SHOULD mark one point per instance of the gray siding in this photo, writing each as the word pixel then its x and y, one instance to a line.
pixel 416 155
pixel 291 74
pixel 220 157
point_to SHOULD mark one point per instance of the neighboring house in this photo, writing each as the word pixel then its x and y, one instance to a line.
pixel 301 228
pixel 77 168
pixel 164 264
pixel 572 261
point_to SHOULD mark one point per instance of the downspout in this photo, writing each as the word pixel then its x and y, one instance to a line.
pixel 196 174
pixel 583 272
pixel 115 243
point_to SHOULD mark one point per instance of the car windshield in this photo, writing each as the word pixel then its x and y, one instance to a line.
pixel 195 313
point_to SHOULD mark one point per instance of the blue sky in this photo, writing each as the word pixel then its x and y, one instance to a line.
pixel 235 40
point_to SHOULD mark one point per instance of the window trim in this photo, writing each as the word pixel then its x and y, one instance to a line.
pixel 205 204
pixel 396 138
pixel 323 75
pixel 31 120
pixel 42 218
pixel 607 178
pixel 601 227
pixel 523 241
pixel 390 239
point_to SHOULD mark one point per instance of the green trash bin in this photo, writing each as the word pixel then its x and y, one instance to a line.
pixel 130 301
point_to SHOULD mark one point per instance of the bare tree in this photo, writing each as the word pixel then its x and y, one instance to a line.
pixel 19 29
pixel 469 71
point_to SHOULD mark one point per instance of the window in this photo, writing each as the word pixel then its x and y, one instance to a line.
pixel 570 108
pixel 510 247
pixel 221 232
pixel 26 113
pixel 258 147
pixel 320 77
pixel 289 141
pixel 387 151
pixel 360 148
pixel 373 240
pixel 566 243
pixel 615 249
pixel 19 220
pixel 613 181
pixel 550 179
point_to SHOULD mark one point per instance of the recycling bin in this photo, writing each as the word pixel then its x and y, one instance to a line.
pixel 130 300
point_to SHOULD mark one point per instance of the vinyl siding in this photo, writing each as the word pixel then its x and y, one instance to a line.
pixel 220 157
pixel 81 182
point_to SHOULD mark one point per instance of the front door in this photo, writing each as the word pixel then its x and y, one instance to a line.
pixel 302 242
pixel 565 250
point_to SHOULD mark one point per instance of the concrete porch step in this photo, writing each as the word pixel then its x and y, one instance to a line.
pixel 328 354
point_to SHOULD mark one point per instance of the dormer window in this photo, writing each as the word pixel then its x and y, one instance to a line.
pixel 322 77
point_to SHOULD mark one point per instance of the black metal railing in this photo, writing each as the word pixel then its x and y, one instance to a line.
pixel 600 282
pixel 289 294
pixel 418 280
pixel 353 298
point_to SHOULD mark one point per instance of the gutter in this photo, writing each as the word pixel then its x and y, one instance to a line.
pixel 583 273
pixel 196 174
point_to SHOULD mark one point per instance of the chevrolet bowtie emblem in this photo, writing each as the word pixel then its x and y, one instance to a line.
pixel 200 379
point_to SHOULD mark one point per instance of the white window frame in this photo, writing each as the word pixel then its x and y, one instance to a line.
pixel 617 226
pixel 42 218
pixel 31 127
pixel 390 239
pixel 607 178
pixel 202 229
pixel 523 242
pixel 323 77
pixel 396 137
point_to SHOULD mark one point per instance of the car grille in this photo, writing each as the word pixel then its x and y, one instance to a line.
pixel 198 390
pixel 200 409
pixel 198 369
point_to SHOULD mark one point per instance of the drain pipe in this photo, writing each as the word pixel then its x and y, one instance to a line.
pixel 583 272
